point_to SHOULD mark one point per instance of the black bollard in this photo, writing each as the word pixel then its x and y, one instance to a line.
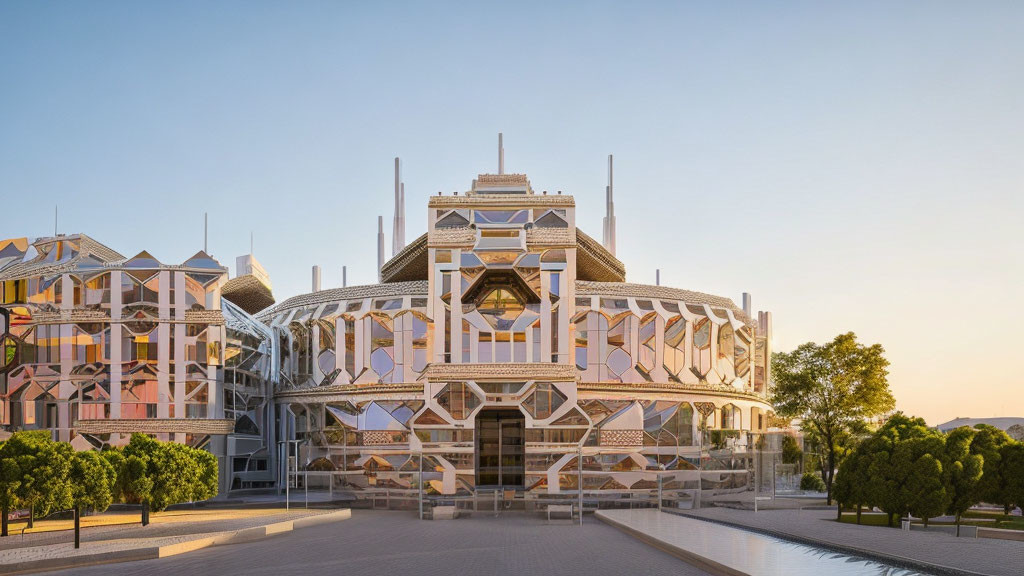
pixel 78 526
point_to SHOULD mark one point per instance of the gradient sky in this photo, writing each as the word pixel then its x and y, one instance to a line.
pixel 855 167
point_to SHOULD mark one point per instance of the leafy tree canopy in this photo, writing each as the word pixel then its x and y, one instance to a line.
pixel 34 470
pixel 988 442
pixel 963 471
pixel 832 389
pixel 91 479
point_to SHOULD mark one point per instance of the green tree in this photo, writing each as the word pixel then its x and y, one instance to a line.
pixel 176 475
pixel 133 481
pixel 39 466
pixel 91 478
pixel 852 480
pixel 791 451
pixel 10 482
pixel 118 464
pixel 920 466
pixel 988 443
pixel 963 472
pixel 905 473
pixel 209 475
pixel 159 474
pixel 832 388
pixel 1011 457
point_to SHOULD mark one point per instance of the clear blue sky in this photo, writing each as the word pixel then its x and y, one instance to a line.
pixel 855 167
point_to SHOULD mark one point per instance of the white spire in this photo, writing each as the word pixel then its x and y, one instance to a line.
pixel 398 232
pixel 609 218
pixel 501 155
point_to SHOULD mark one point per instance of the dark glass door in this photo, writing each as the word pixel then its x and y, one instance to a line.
pixel 499 448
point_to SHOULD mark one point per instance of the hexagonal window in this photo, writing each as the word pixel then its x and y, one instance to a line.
pixel 458 399
pixel 544 401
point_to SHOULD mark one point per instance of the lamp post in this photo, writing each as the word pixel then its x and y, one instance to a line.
pixel 661 473
pixel 579 468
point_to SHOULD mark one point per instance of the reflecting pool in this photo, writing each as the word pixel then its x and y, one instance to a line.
pixel 744 551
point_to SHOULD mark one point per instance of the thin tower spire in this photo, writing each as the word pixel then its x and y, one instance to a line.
pixel 398 231
pixel 609 218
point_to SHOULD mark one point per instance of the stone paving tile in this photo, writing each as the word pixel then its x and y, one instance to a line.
pixel 379 542
pixel 984 556
pixel 214 521
pixel 34 553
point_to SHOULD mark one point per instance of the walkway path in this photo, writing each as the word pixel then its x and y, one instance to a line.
pixel 163 524
pixel 122 543
pixel 969 555
pixel 381 542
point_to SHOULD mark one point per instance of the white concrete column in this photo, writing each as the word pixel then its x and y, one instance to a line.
pixel 545 316
pixel 115 344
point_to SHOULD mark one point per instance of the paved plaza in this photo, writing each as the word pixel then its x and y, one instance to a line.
pixel 971 555
pixel 513 544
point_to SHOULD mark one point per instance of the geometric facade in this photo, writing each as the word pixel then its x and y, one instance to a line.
pixel 499 349
pixel 98 346
pixel 503 344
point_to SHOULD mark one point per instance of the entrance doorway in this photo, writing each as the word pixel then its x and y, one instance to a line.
pixel 499 448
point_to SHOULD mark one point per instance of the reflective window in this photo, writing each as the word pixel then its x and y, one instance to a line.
pixel 544 401
pixel 731 417
pixel 382 346
pixel 581 340
pixel 675 340
pixel 618 359
pixel 458 399
pixel 648 344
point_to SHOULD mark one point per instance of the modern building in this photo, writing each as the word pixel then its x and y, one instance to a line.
pixel 502 349
pixel 98 346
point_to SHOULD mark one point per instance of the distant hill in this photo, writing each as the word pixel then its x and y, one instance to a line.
pixel 1009 424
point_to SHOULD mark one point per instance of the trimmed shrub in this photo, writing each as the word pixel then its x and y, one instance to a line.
pixel 812 483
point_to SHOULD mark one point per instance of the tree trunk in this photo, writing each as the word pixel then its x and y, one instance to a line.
pixel 31 516
pixel 78 526
pixel 888 517
pixel 925 521
pixel 858 513
pixel 145 513
pixel 831 471
pixel 839 512
pixel 3 529
pixel 957 524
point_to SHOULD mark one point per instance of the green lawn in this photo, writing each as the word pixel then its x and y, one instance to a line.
pixel 1001 520
pixel 866 519
pixel 998 520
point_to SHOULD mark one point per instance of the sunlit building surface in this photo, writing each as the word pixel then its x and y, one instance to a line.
pixel 503 344
pixel 97 346
pixel 502 349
